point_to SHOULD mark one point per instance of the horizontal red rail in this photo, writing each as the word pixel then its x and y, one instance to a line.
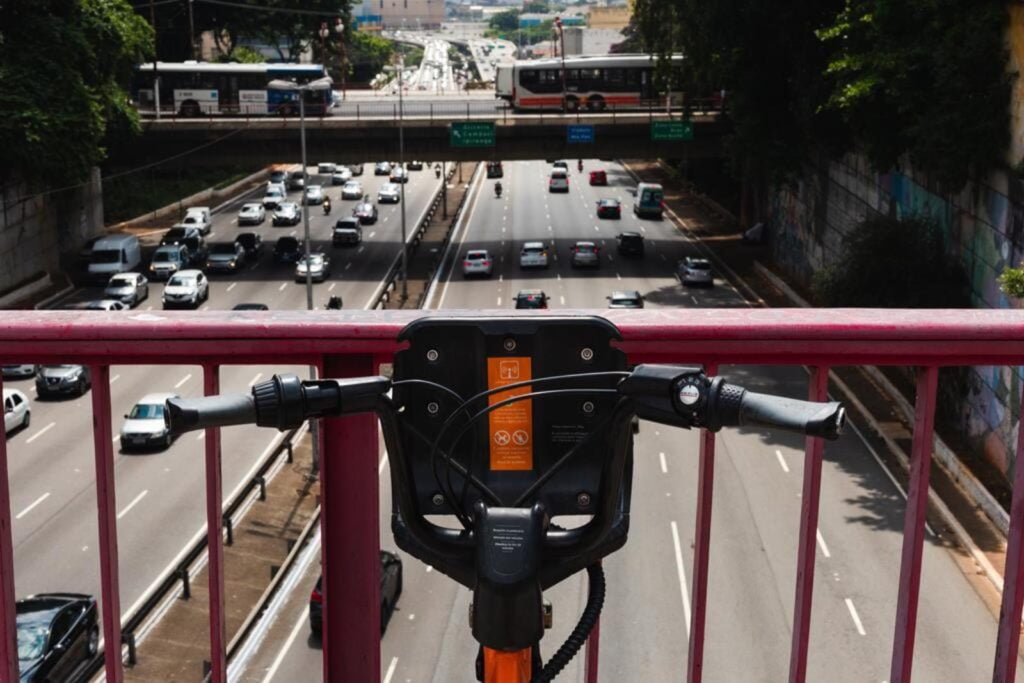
pixel 350 343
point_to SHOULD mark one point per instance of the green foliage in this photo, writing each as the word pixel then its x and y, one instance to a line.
pixel 413 55
pixel 1011 282
pixel 530 35
pixel 891 263
pixel 243 55
pixel 367 54
pixel 927 79
pixel 65 103
pixel 536 7
pixel 505 21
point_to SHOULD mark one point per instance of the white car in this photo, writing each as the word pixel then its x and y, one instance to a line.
pixel 559 181
pixel 696 271
pixel 144 426
pixel 477 262
pixel 198 217
pixel 186 288
pixel 252 214
pixel 399 174
pixel 341 176
pixel 17 413
pixel 389 193
pixel 352 190
pixel 318 266
pixel 314 194
pixel 275 194
pixel 326 167
pixel 128 288
pixel 533 255
pixel 98 305
pixel 17 371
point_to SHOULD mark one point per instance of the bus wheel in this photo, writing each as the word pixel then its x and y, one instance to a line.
pixel 596 103
pixel 572 104
pixel 189 108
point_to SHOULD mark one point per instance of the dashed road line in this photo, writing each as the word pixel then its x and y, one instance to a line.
pixel 821 544
pixel 561 299
pixel 782 461
pixel 255 379
pixel 41 432
pixel 231 286
pixel 183 380
pixel 132 504
pixel 664 465
pixel 37 501
pixel 682 575
pixel 391 670
pixel 283 285
pixel 855 617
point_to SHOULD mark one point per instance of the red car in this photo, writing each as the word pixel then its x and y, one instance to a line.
pixel 609 208
pixel 598 178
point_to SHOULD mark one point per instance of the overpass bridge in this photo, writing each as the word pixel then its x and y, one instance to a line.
pixel 371 131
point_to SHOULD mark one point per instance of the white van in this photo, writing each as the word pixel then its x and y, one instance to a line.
pixel 198 217
pixel 112 255
pixel 650 200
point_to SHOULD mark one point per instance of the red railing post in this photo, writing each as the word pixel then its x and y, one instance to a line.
pixel 913 525
pixel 701 551
pixel 350 531
pixel 813 449
pixel 8 629
pixel 590 664
pixel 1005 668
pixel 106 510
pixel 215 536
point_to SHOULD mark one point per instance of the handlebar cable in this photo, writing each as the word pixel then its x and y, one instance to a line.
pixel 483 394
pixel 553 470
pixel 514 399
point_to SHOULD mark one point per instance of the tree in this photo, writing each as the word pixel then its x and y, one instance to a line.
pixel 64 66
pixel 505 21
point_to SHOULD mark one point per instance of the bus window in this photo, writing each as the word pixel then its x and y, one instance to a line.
pixel 615 80
pixel 528 77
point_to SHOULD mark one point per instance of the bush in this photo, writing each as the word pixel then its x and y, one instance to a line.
pixel 891 263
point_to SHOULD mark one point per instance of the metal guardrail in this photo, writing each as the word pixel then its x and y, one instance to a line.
pixel 179 571
pixel 395 270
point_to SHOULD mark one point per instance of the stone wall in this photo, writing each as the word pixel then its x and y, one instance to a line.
pixel 37 226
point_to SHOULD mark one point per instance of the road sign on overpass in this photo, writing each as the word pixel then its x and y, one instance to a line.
pixel 670 131
pixel 580 132
pixel 471 134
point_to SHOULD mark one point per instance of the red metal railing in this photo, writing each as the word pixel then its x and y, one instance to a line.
pixel 355 343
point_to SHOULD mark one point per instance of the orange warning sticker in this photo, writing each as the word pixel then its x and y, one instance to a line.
pixel 510 427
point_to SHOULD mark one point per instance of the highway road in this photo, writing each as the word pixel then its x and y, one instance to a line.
pixel 51 462
pixel 755 519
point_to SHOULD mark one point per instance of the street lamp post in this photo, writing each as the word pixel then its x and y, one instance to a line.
pixel 561 40
pixel 323 83
pixel 324 33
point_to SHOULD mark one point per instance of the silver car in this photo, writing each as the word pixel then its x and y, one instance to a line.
pixel 389 193
pixel 144 426
pixel 477 262
pixel 128 288
pixel 168 260
pixel 696 271
pixel 318 265
pixel 352 190
pixel 533 255
pixel 314 194
pixel 252 214
pixel 586 255
pixel 17 371
pixel 226 257
pixel 341 176
pixel 62 380
pixel 187 288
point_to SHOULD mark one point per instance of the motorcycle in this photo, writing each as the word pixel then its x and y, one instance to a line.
pixel 327 206
pixel 497 190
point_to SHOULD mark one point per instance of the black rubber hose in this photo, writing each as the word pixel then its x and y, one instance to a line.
pixel 576 639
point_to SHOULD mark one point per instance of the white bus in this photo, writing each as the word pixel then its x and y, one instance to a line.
pixel 203 88
pixel 592 82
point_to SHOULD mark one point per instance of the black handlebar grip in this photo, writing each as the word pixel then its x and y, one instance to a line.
pixel 188 414
pixel 804 417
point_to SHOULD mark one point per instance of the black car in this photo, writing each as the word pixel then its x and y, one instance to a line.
pixel 366 212
pixel 179 235
pixel 252 243
pixel 287 250
pixel 56 633
pixel 279 176
pixel 347 231
pixel 250 307
pixel 531 298
pixel 390 589
pixel 415 166
pixel 630 243
pixel 62 380
pixel 609 208
pixel 190 238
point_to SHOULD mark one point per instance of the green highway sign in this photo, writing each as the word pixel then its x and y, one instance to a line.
pixel 472 134
pixel 671 131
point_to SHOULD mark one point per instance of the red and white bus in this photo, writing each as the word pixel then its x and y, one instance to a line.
pixel 593 82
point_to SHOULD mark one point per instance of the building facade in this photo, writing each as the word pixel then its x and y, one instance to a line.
pixel 410 15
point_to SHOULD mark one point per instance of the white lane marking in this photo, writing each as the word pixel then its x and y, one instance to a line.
pixel 664 465
pixel 561 299
pixel 117 438
pixel 618 276
pixel 411 617
pixel 855 617
pixel 256 378
pixel 287 647
pixel 132 504
pixel 503 228
pixel 37 501
pixel 84 548
pixel 682 575
pixel 558 276
pixel 231 286
pixel 283 285
pixel 429 568
pixel 821 544
pixel 183 380
pixel 40 432
pixel 380 466
pixel 653 243
pixel 331 288
pixel 550 229
pixel 372 234
pixel 501 277
pixel 499 302
pixel 360 250
pixel 348 265
pixel 643 229
pixel 597 229
pixel 206 307
pixel 694 299
pixel 201 435
pixel 391 670
pixel 782 461
pixel 293 233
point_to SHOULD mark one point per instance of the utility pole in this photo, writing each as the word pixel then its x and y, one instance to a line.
pixel 405 178
pixel 191 31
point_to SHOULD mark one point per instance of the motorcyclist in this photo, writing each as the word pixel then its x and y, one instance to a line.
pixel 497 189
pixel 333 304
pixel 437 170
pixel 579 165
pixel 327 205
